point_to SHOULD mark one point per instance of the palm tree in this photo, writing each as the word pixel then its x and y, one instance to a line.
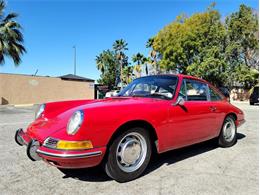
pixel 139 59
pixel 11 38
pixel 138 70
pixel 100 62
pixel 104 60
pixel 120 46
pixel 153 55
pixel 149 43
pixel 145 61
pixel 127 74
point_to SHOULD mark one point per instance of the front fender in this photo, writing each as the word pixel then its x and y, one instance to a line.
pixel 101 123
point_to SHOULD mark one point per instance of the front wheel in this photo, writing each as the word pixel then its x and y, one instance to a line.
pixel 228 134
pixel 128 155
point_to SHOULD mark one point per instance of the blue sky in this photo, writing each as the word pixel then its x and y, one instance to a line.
pixel 51 28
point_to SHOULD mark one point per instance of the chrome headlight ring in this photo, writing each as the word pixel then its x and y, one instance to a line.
pixel 75 122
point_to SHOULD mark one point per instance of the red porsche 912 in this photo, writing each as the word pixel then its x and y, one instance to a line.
pixel 161 111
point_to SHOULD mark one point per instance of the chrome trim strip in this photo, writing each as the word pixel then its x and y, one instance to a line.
pixel 82 155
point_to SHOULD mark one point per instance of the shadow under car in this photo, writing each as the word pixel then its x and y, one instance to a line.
pixel 96 174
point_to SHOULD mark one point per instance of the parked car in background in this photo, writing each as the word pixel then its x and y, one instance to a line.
pixel 254 97
pixel 164 112
pixel 225 92
pixel 112 93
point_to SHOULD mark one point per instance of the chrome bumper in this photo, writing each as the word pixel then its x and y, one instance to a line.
pixel 68 156
pixel 32 146
pixel 18 138
pixel 34 151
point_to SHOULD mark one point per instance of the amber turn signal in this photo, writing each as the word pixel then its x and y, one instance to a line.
pixel 74 145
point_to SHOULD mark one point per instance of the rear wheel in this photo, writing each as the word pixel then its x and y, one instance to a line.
pixel 129 155
pixel 228 134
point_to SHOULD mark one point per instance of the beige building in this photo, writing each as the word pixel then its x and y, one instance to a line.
pixel 27 89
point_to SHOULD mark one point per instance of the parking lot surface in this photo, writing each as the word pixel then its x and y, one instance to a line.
pixel 199 169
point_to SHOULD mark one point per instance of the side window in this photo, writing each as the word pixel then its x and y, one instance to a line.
pixel 214 96
pixel 196 91
pixel 182 91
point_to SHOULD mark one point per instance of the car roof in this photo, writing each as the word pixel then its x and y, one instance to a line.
pixel 180 76
pixel 191 77
pixel 177 75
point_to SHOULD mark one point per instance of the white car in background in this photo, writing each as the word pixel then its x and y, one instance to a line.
pixel 111 93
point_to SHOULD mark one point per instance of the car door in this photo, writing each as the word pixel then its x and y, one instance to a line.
pixel 219 105
pixel 192 122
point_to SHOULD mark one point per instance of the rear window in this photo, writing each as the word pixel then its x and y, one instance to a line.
pixel 214 96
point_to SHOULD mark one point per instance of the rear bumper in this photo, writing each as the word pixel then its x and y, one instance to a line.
pixel 63 158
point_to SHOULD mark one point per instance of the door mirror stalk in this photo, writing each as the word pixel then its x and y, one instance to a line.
pixel 180 101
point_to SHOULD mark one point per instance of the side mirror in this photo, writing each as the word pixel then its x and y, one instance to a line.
pixel 180 101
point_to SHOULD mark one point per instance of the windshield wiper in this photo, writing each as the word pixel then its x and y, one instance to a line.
pixel 138 95
pixel 151 95
pixel 158 95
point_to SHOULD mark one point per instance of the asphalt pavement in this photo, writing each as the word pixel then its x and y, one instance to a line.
pixel 199 169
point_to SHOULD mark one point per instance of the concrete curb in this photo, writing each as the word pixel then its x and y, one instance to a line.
pixel 22 105
pixel 240 102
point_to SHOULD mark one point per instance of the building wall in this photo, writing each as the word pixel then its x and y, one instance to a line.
pixel 25 89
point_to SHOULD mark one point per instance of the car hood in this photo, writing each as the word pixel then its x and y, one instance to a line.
pixel 57 114
pixel 104 103
pixel 118 101
pixel 109 103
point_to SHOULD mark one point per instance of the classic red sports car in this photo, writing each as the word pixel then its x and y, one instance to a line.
pixel 164 111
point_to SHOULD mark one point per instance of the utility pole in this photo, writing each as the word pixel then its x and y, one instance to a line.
pixel 36 72
pixel 75 56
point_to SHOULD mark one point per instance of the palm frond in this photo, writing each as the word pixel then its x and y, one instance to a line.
pixel 10 17
pixel 2 7
pixel 11 38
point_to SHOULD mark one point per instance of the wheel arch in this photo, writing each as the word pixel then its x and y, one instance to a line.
pixel 232 114
pixel 136 123
pixel 228 114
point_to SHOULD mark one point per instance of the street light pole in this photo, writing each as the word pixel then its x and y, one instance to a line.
pixel 75 55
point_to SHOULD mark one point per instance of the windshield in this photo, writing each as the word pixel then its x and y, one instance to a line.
pixel 152 87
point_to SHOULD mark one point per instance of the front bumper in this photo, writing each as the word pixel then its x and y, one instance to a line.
pixel 72 159
pixel 21 138
pixel 60 158
pixel 69 156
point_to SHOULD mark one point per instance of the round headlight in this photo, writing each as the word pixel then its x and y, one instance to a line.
pixel 39 111
pixel 75 122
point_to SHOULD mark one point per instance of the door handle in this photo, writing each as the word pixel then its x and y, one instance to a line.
pixel 213 108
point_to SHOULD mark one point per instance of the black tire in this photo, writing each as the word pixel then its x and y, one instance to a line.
pixel 224 142
pixel 111 165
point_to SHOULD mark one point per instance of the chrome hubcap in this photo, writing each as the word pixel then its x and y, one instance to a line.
pixel 229 130
pixel 131 152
